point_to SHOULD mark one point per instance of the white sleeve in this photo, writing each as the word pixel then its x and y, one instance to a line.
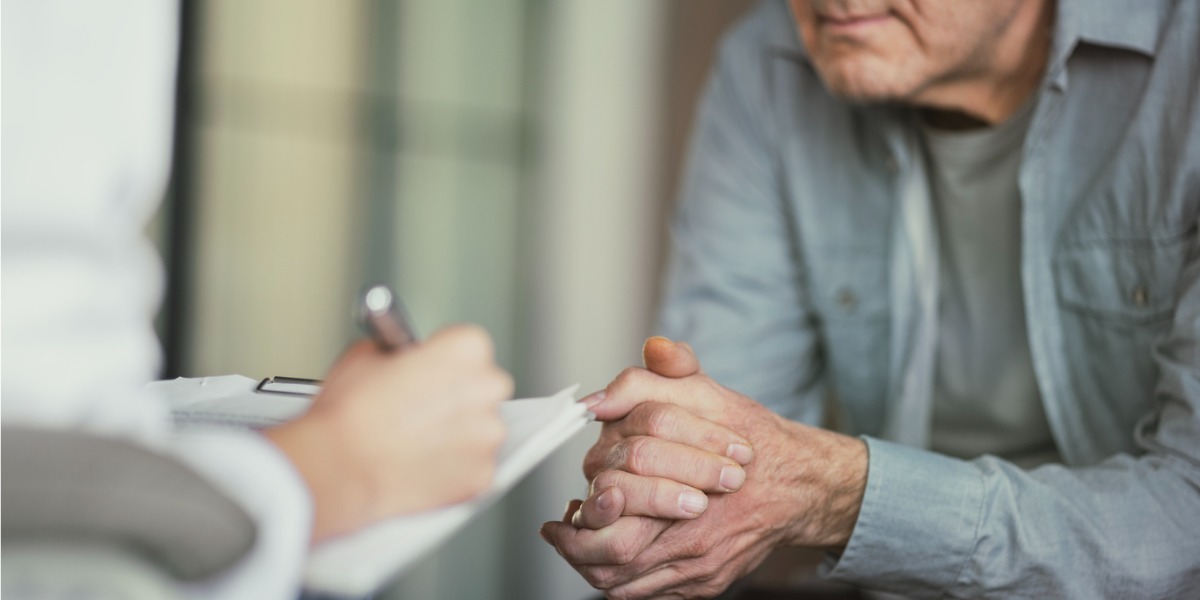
pixel 254 473
pixel 87 102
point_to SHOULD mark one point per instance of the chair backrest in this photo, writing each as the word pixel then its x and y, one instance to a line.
pixel 69 486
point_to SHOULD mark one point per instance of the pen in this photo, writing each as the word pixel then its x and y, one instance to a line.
pixel 382 316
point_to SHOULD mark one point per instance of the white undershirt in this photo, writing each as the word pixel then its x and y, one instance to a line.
pixel 986 399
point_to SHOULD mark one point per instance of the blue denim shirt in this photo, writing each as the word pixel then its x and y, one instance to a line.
pixel 795 274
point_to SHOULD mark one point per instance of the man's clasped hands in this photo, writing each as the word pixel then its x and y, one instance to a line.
pixel 692 484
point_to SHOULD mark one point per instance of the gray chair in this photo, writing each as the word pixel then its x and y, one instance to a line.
pixel 87 516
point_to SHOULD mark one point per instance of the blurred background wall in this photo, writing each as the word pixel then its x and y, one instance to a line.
pixel 510 163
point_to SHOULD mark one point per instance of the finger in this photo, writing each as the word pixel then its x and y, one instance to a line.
pixel 671 423
pixel 463 342
pixel 572 508
pixel 642 496
pixel 677 424
pixel 356 359
pixel 668 581
pixel 668 358
pixel 616 544
pixel 614 577
pixel 636 385
pixel 654 457
pixel 600 509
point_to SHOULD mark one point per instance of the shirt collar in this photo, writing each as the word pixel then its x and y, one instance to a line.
pixel 1128 24
pixel 782 37
pixel 1122 24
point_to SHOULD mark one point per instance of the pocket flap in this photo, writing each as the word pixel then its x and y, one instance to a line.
pixel 1126 279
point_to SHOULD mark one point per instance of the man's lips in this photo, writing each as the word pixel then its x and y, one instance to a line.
pixel 852 22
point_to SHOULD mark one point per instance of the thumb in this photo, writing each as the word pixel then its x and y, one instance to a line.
pixel 668 358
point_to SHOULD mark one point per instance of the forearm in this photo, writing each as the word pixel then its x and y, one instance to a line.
pixel 932 525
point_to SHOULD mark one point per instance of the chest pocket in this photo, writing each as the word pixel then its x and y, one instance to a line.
pixel 1117 299
pixel 1131 282
pixel 851 294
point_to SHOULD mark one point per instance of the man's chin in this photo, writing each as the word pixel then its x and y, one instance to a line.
pixel 862 84
pixel 865 93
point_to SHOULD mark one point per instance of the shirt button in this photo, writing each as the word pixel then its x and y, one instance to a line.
pixel 846 300
pixel 1139 296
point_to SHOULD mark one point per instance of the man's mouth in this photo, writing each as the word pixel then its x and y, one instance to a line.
pixel 843 23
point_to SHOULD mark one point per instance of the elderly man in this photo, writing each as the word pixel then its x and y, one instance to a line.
pixel 970 226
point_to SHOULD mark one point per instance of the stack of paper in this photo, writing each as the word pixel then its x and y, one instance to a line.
pixel 360 563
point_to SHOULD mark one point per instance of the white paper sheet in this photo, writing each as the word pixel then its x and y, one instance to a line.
pixel 360 563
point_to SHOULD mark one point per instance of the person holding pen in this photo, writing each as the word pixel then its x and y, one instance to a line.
pixel 401 431
pixel 88 97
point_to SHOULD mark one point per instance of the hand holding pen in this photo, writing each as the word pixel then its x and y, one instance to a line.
pixel 397 432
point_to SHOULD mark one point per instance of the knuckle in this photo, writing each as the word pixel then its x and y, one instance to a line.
pixel 594 461
pixel 659 418
pixel 695 547
pixel 617 455
pixel 714 436
pixel 605 479
pixel 472 342
pixel 637 454
pixel 660 496
pixel 630 376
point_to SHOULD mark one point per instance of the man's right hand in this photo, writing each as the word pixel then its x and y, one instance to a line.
pixel 392 433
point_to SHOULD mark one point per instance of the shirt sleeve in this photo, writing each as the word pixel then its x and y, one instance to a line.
pixel 260 478
pixel 734 289
pixel 932 526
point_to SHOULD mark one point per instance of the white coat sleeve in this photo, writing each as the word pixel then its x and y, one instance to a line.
pixel 87 100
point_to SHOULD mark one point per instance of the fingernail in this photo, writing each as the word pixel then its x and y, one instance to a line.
pixel 604 500
pixel 692 502
pixel 592 400
pixel 740 452
pixel 732 478
pixel 542 532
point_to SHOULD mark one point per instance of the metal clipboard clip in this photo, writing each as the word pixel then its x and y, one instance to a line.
pixel 289 386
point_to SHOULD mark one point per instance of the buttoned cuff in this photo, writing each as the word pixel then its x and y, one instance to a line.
pixel 918 523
